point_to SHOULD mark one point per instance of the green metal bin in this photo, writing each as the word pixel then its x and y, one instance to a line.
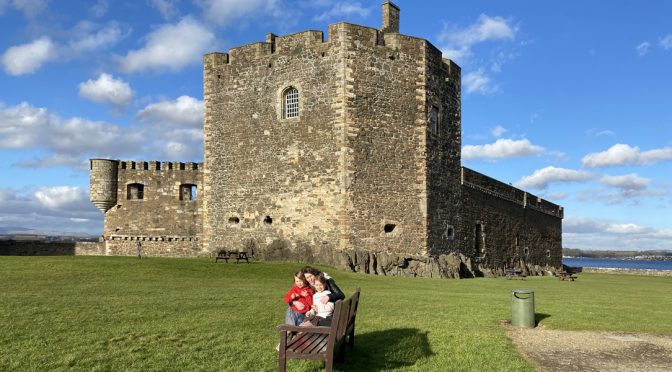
pixel 522 308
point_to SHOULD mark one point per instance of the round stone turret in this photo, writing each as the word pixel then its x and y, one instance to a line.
pixel 103 186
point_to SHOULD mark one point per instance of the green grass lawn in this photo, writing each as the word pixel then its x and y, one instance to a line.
pixel 121 313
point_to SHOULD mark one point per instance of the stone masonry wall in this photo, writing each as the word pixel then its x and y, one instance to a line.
pixel 161 213
pixel 512 232
pixel 41 248
pixel 154 246
pixel 274 181
pixel 386 126
pixel 443 153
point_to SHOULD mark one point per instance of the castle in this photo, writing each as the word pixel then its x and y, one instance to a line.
pixel 344 152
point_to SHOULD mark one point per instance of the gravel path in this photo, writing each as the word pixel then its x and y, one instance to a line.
pixel 552 350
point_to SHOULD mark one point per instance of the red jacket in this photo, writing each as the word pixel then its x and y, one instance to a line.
pixel 307 300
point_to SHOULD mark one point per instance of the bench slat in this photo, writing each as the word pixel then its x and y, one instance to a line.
pixel 305 343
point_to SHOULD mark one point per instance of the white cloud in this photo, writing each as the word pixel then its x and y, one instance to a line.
pixel 167 8
pixel 30 8
pixel 171 46
pixel 643 48
pixel 343 9
pixel 458 42
pixel 28 58
pixel 59 196
pixel 623 154
pixel 180 123
pixel 626 182
pixel 86 37
pixel 222 12
pixel 502 148
pixel 88 40
pixel 622 189
pixel 485 29
pixel 599 133
pixel 106 89
pixel 66 142
pixel 666 42
pixel 99 9
pixel 591 233
pixel 457 55
pixel 169 130
pixel 498 131
pixel 541 178
pixel 49 210
pixel 184 110
pixel 627 228
pixel 478 82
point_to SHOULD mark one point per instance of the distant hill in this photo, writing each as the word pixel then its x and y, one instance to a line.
pixel 24 233
pixel 18 230
pixel 575 252
pixel 13 230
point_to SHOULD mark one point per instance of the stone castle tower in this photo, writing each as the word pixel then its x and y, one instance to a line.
pixel 343 151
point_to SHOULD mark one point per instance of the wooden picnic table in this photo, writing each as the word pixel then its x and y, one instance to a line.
pixel 225 255
pixel 564 275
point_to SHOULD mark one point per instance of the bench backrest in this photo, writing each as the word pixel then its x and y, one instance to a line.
pixel 354 305
pixel 345 312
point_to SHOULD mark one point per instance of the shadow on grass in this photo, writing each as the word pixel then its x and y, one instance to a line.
pixel 538 317
pixel 388 349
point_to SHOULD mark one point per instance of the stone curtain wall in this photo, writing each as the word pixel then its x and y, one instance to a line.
pixel 273 181
pixel 509 224
pixel 161 213
pixel 160 246
pixel 40 248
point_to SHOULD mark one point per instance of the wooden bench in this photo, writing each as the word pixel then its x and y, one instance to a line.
pixel 564 275
pixel 321 343
pixel 226 255
pixel 512 273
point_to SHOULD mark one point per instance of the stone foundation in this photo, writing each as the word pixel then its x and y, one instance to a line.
pixel 451 265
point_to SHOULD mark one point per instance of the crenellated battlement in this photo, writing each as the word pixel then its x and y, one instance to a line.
pixel 158 165
pixel 275 45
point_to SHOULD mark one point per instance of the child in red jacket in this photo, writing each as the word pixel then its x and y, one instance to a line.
pixel 299 299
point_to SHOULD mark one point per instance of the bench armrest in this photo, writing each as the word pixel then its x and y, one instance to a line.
pixel 291 328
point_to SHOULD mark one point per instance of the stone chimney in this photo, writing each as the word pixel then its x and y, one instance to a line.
pixel 390 17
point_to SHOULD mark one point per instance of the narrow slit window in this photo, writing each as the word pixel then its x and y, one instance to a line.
pixel 434 120
pixel 290 103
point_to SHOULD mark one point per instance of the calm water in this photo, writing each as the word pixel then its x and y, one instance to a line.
pixel 618 264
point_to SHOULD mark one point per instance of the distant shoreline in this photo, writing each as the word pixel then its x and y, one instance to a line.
pixel 636 258
pixel 611 270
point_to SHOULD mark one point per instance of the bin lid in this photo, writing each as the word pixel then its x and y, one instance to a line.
pixel 522 291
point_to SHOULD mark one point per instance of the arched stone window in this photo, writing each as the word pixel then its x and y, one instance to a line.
pixel 135 191
pixel 290 103
pixel 187 191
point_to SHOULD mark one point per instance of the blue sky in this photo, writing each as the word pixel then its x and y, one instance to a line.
pixel 569 100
